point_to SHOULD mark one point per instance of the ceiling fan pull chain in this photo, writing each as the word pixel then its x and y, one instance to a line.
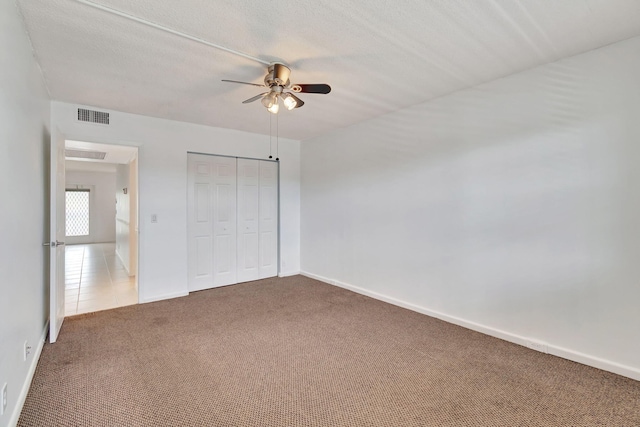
pixel 277 138
pixel 270 132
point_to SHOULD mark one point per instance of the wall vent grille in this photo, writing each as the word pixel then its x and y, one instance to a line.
pixel 93 116
pixel 84 154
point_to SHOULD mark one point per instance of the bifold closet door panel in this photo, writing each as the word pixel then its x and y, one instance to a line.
pixel 200 222
pixel 224 222
pixel 268 210
pixel 248 220
pixel 211 227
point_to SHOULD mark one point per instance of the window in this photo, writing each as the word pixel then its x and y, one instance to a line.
pixel 77 212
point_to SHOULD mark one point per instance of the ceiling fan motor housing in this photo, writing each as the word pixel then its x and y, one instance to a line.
pixel 278 75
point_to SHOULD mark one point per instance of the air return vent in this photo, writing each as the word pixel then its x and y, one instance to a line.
pixel 93 116
pixel 84 154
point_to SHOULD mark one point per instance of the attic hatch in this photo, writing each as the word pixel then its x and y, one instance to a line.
pixel 93 116
pixel 84 154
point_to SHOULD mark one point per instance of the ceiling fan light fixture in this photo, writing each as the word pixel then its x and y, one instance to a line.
pixel 289 101
pixel 274 108
pixel 268 100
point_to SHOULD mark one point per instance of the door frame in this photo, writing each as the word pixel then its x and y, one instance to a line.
pixel 71 137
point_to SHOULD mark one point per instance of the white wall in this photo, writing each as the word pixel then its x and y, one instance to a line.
pixel 24 142
pixel 512 207
pixel 162 173
pixel 102 208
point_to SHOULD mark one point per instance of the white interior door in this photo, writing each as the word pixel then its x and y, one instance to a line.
pixel 248 220
pixel 212 221
pixel 268 208
pixel 57 234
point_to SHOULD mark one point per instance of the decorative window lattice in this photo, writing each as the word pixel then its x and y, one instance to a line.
pixel 77 212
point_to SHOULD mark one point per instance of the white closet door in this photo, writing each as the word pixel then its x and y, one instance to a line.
pixel 224 222
pixel 200 222
pixel 268 208
pixel 248 220
pixel 233 220
pixel 212 221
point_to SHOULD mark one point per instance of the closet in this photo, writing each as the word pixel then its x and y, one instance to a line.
pixel 232 206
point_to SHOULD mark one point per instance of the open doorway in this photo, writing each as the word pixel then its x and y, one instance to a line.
pixel 101 225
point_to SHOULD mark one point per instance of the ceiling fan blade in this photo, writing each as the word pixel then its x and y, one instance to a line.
pixel 299 102
pixel 255 98
pixel 244 83
pixel 315 88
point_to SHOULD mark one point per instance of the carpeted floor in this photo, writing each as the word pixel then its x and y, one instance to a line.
pixel 297 352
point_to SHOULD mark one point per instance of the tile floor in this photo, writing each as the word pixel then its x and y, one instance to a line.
pixel 96 279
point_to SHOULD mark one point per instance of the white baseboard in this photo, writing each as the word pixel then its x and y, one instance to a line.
pixel 576 356
pixel 163 297
pixel 316 277
pixel 288 273
pixel 22 397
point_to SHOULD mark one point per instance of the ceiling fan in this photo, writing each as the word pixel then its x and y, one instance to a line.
pixel 277 80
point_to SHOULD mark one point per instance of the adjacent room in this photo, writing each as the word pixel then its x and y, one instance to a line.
pixel 320 214
pixel 101 223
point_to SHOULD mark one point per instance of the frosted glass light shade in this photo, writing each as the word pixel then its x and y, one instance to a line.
pixel 274 108
pixel 289 101
pixel 268 100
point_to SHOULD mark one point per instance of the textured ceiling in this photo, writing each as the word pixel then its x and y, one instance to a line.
pixel 378 56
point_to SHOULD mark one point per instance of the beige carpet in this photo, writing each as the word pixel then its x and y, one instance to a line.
pixel 297 352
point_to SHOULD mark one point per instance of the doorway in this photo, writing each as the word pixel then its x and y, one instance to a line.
pixel 101 226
